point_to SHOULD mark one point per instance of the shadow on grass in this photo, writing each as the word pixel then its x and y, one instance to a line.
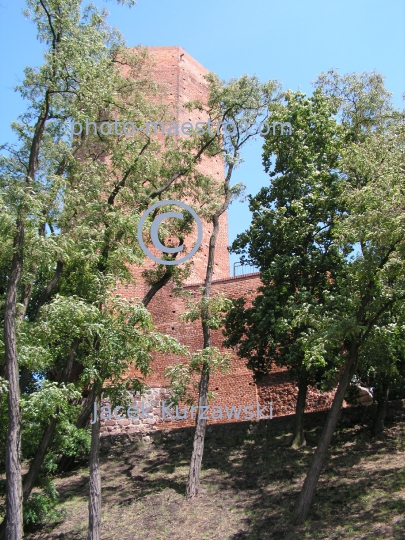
pixel 267 475
pixel 252 480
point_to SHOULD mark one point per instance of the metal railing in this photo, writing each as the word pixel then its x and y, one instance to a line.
pixel 241 269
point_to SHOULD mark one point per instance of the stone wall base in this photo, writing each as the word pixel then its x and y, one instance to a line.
pixel 349 416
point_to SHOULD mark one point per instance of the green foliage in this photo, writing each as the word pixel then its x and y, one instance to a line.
pixel 382 359
pixel 180 379
pixel 211 310
pixel 328 236
pixel 49 400
pixel 363 103
pixel 79 236
pixel 41 507
pixel 210 359
pixel 242 103
pixel 183 377
pixel 291 241
pixel 3 386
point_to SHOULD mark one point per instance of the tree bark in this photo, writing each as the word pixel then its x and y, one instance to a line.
pixel 155 287
pixel 298 438
pixel 46 440
pixel 50 288
pixel 14 513
pixel 25 375
pixel 201 424
pixel 14 525
pixel 87 408
pixel 193 484
pixel 306 496
pixel 24 378
pixel 378 425
pixel 95 481
pixel 36 463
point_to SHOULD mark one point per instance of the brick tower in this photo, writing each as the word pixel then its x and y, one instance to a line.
pixel 184 79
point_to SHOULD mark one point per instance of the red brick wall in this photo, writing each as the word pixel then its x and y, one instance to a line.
pixel 280 389
pixel 237 387
pixel 183 79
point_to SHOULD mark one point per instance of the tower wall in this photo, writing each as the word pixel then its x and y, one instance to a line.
pixel 181 79
pixel 184 79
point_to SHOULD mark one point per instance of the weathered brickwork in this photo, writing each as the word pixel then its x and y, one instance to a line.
pixel 281 389
pixel 184 79
pixel 238 387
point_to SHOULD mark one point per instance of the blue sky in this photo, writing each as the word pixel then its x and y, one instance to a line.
pixel 292 41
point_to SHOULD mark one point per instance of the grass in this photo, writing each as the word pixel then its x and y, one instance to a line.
pixel 249 483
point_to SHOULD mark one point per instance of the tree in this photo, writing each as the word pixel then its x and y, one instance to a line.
pixel 381 364
pixel 235 108
pixel 372 283
pixel 291 241
pixel 125 337
pixel 50 91
pixel 66 225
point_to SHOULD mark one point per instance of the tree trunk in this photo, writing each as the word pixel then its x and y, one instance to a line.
pixel 95 481
pixel 298 438
pixel 306 496
pixel 24 378
pixel 193 484
pixel 14 525
pixel 14 512
pixel 36 463
pixel 67 462
pixel 378 425
pixel 159 284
